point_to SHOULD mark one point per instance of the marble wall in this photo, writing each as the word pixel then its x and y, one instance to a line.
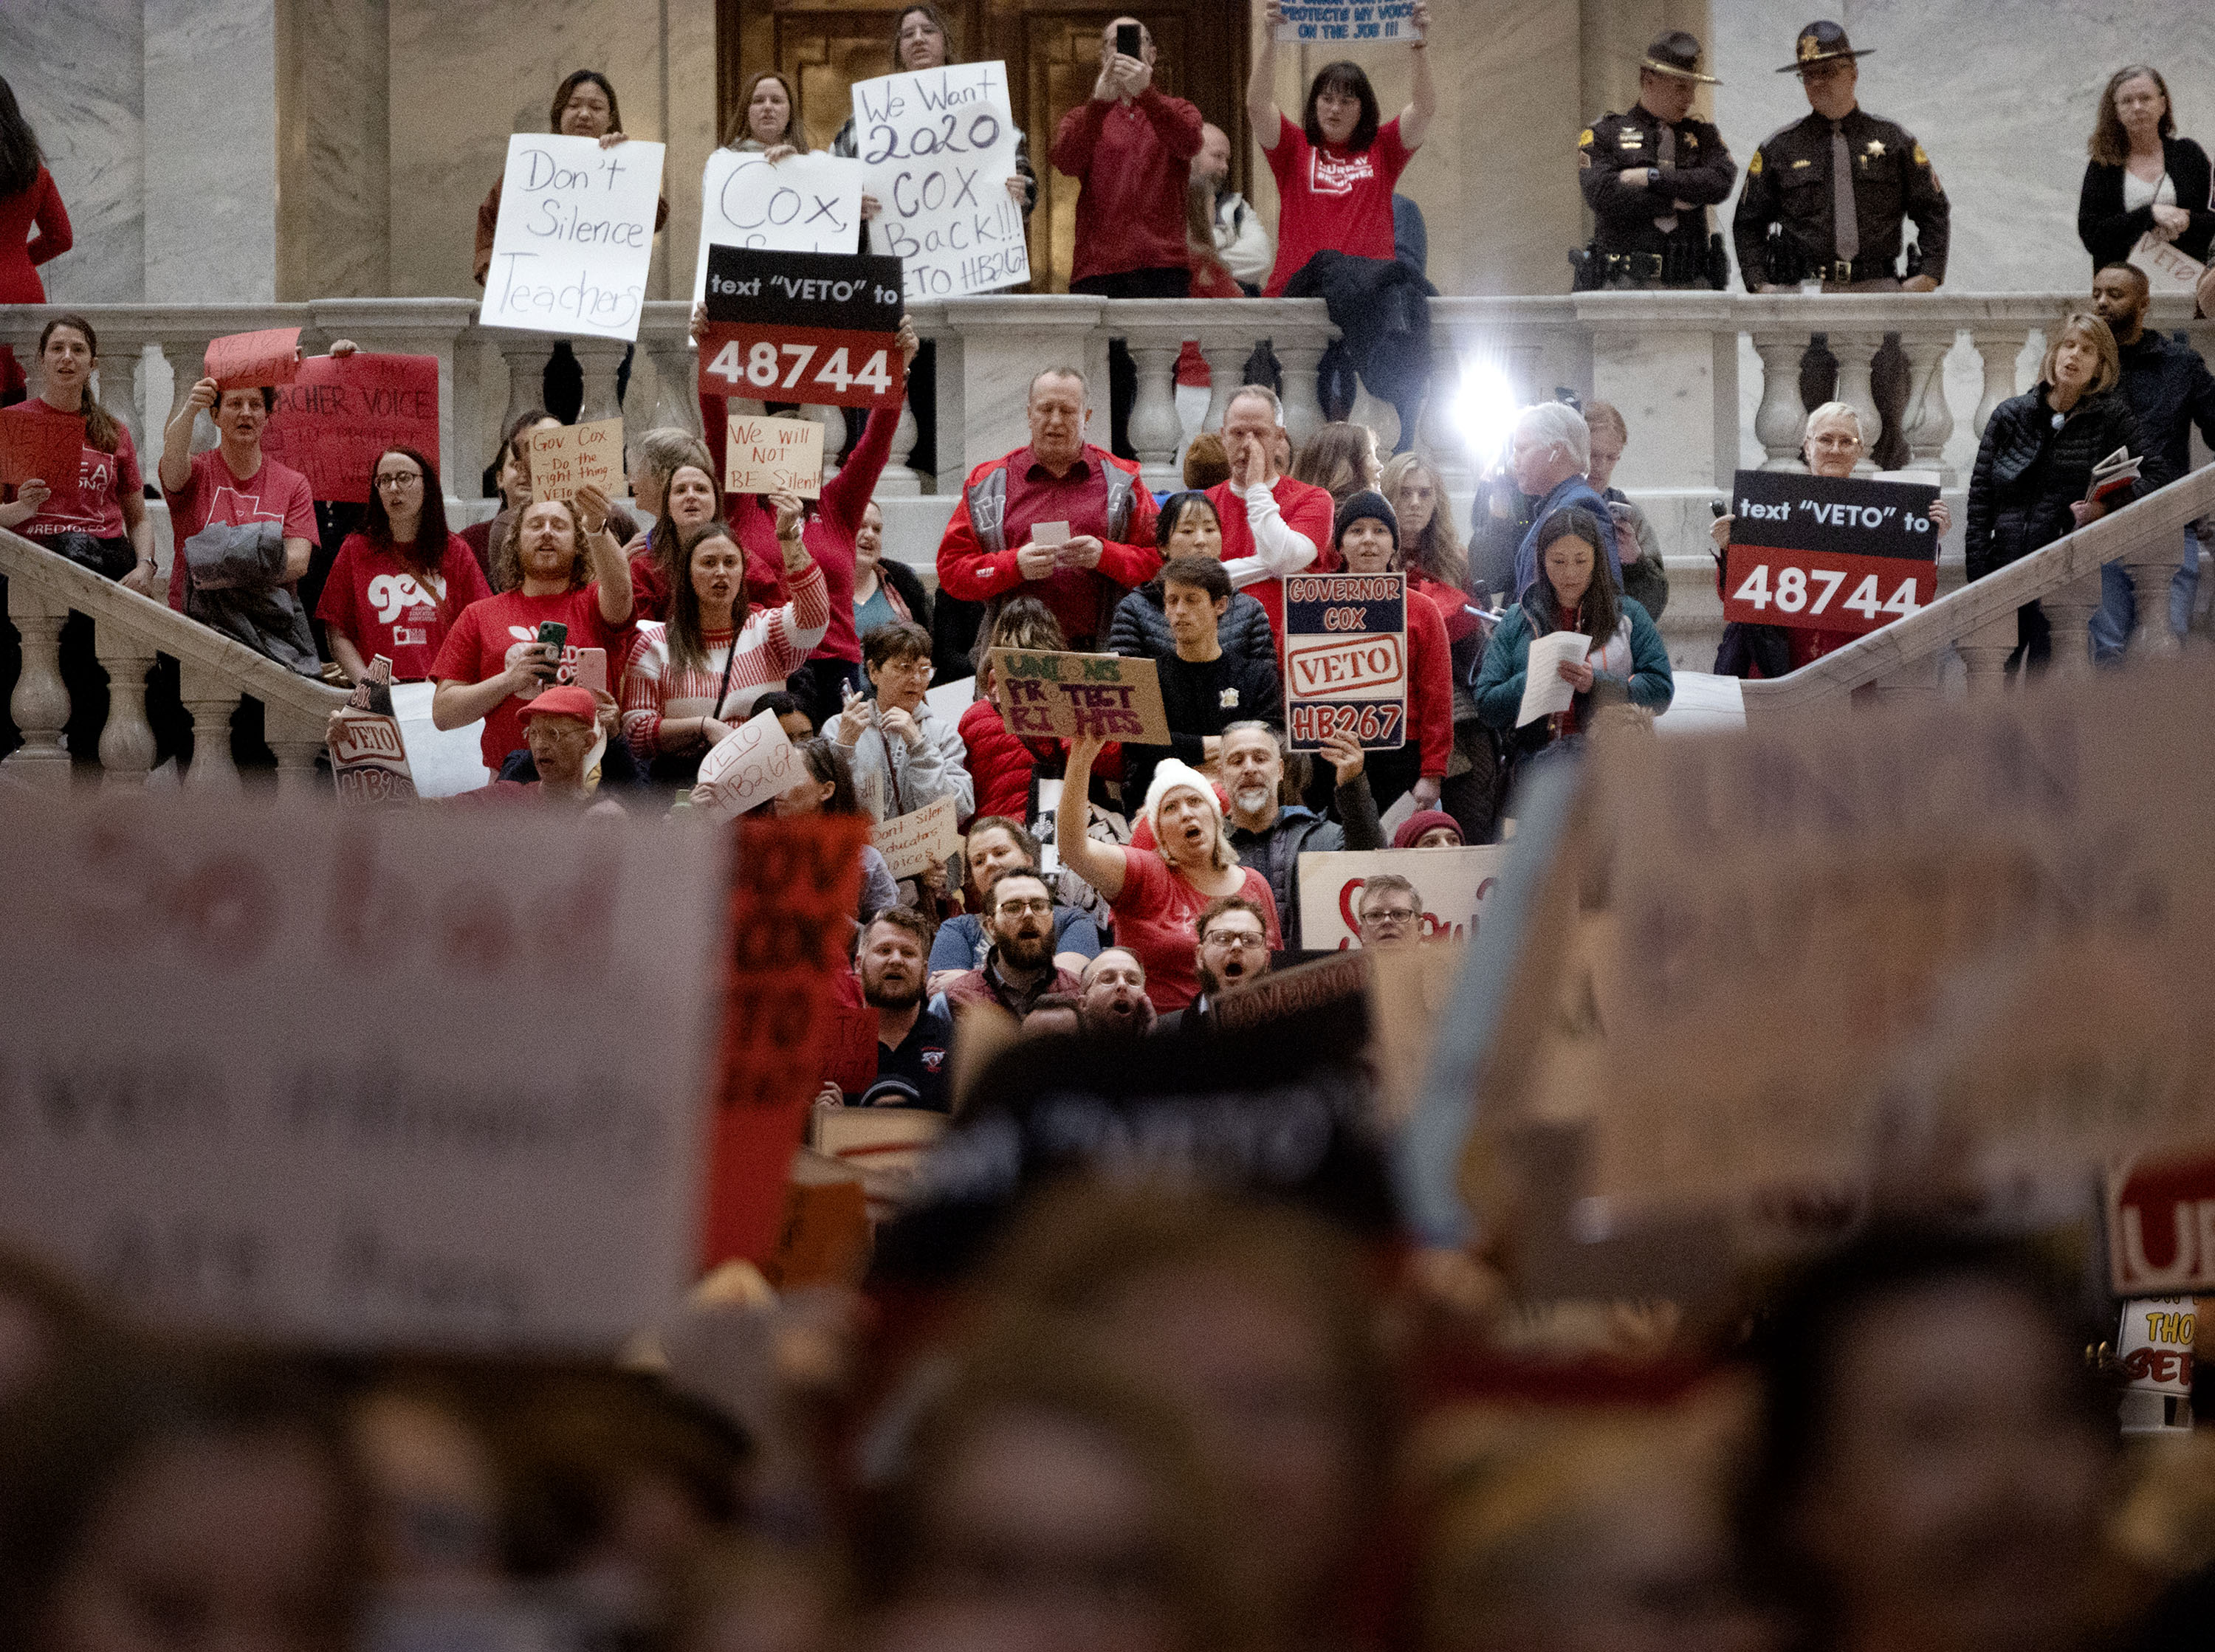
pixel 77 71
pixel 210 147
pixel 335 197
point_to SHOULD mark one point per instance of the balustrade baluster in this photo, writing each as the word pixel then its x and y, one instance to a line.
pixel 1157 432
pixel 676 382
pixel 1303 410
pixel 2151 567
pixel 2069 611
pixel 296 762
pixel 1930 420
pixel 526 355
pixel 1985 654
pixel 40 702
pixel 1227 354
pixel 1855 352
pixel 1781 420
pixel 210 701
pixel 899 479
pixel 1997 351
pixel 601 359
pixel 1379 415
pixel 126 744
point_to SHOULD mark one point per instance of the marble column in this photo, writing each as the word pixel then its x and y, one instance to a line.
pixel 211 81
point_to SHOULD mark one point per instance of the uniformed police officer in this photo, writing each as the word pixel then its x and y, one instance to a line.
pixel 1650 177
pixel 1825 197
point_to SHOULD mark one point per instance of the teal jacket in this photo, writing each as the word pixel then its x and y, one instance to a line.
pixel 1638 672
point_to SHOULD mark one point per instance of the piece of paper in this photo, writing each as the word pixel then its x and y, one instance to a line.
pixel 444 763
pixel 575 237
pixel 269 357
pixel 1349 23
pixel 947 700
pixel 48 447
pixel 354 1094
pixel 773 455
pixel 802 327
pixel 1454 884
pixel 338 415
pixel 565 458
pixel 747 767
pixel 793 895
pixel 939 147
pixel 1346 659
pixel 1545 690
pixel 807 203
pixel 2167 270
pixel 922 838
pixel 1843 554
pixel 1049 532
pixel 1071 694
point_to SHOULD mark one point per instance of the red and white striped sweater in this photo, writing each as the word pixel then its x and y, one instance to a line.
pixel 771 645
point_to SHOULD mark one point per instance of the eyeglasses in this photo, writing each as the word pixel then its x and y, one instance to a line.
pixel 1238 941
pixel 399 478
pixel 1016 908
pixel 1392 914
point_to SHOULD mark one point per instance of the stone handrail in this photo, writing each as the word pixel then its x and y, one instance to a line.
pixel 1978 621
pixel 129 630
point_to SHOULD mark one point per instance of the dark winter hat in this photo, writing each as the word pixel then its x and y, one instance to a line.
pixel 1368 502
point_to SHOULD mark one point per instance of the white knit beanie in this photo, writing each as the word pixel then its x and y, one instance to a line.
pixel 1171 774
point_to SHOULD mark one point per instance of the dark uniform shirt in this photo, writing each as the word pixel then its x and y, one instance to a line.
pixel 1701 174
pixel 1787 182
pixel 914 1075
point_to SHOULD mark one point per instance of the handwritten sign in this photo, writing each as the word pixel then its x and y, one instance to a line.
pixel 1829 552
pixel 337 415
pixel 2166 269
pixel 802 327
pixel 1454 884
pixel 913 842
pixel 575 235
pixel 566 457
pixel 1346 659
pixel 940 146
pixel 43 447
pixel 749 766
pixel 773 455
pixel 804 204
pixel 1068 694
pixel 1334 20
pixel 269 357
pixel 369 754
pixel 319 1095
pixel 792 909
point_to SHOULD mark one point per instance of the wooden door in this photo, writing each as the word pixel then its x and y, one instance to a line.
pixel 1051 48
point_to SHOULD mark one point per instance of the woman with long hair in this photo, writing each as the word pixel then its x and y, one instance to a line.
pixel 1437 568
pixel 2142 179
pixel 1210 276
pixel 105 526
pixel 1002 763
pixel 28 203
pixel 827 788
pixel 693 680
pixel 673 479
pixel 403 580
pixel 1335 170
pixel 1340 458
pixel 767 120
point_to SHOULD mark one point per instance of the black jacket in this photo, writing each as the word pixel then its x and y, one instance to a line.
pixel 1623 219
pixel 1788 185
pixel 2108 233
pixel 2170 390
pixel 1275 853
pixel 1383 308
pixel 1140 629
pixel 2027 472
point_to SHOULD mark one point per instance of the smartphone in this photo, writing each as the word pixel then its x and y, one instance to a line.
pixel 553 636
pixel 1127 40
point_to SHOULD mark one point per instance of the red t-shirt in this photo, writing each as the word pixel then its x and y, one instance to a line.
pixel 1154 917
pixel 1306 509
pixel 273 494
pixel 477 648
pixel 1332 198
pixel 101 480
pixel 372 600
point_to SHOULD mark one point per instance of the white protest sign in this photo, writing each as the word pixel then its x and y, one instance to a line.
pixel 1454 884
pixel 1348 21
pixel 334 1075
pixel 922 838
pixel 747 767
pixel 2167 270
pixel 575 235
pixel 940 146
pixel 443 761
pixel 804 204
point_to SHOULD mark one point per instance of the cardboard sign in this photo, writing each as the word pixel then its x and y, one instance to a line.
pixel 804 204
pixel 773 455
pixel 913 842
pixel 2167 270
pixel 1828 552
pixel 803 327
pixel 2154 1345
pixel 1331 22
pixel 1070 695
pixel 269 357
pixel 792 896
pixel 338 415
pixel 43 447
pixel 2161 1225
pixel 1346 659
pixel 566 458
pixel 575 235
pixel 939 147
pixel 1453 882
pixel 746 767
pixel 368 757
pixel 330 1094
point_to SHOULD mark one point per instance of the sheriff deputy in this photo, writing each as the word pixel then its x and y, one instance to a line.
pixel 1650 177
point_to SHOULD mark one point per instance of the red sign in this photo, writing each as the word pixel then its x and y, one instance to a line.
pixel 269 357
pixel 812 365
pixel 46 447
pixel 1823 590
pixel 338 415
pixel 2161 1226
pixel 792 896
